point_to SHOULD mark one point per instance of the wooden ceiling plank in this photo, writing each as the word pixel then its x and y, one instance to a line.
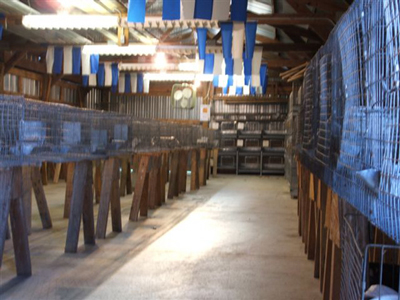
pixel 15 59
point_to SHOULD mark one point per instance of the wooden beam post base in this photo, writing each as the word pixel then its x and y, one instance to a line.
pixel 41 198
pixel 141 188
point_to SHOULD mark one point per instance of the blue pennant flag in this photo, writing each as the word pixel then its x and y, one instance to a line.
pixel 251 32
pixel 203 9
pixel 94 63
pixel 114 74
pixel 76 60
pixel 171 10
pixel 201 41
pixel 239 10
pixel 101 75
pixel 247 65
pixel 127 82
pixel 136 11
pixel 140 83
pixel 85 80
pixel 229 67
pixel 264 78
pixel 226 33
pixel 239 91
pixel 209 64
pixel 215 80
pixel 58 60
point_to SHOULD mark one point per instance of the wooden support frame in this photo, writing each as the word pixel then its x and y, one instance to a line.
pixel 41 198
pixel 154 193
pixel 215 162
pixel 202 167
pixel 81 206
pixel 194 178
pixel 11 203
pixel 141 187
pixel 173 188
pixel 69 188
pixel 110 195
pixel 97 180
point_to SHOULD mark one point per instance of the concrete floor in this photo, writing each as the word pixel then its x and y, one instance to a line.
pixel 236 238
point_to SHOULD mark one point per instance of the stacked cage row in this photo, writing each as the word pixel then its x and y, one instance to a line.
pixel 32 132
pixel 349 123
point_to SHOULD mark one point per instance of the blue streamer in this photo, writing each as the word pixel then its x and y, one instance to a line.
pixel 85 80
pixel 251 32
pixel 225 90
pixel 264 78
pixel 114 74
pixel 226 33
pixel 171 10
pixel 247 65
pixel 229 66
pixel 203 9
pixel 94 63
pixel 230 81
pixel 239 90
pixel 209 64
pixel 127 82
pixel 239 10
pixel 58 60
pixel 100 75
pixel 252 91
pixel 215 80
pixel 136 11
pixel 201 41
pixel 140 83
pixel 76 60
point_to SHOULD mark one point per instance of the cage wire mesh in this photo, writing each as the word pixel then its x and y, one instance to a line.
pixel 349 121
pixel 32 132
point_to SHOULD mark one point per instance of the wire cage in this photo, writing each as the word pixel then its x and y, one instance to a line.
pixel 348 130
pixel 33 131
pixel 369 271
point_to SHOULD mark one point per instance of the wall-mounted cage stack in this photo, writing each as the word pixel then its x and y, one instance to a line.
pixel 349 124
pixel 32 132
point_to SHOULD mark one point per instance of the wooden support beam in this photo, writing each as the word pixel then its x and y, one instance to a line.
pixel 128 179
pixel 182 171
pixel 6 177
pixel 163 176
pixel 174 177
pixel 40 198
pixel 97 180
pixel 154 183
pixel 140 187
pixel 27 196
pixel 79 197
pixel 69 189
pixel 44 173
pixel 122 186
pixel 57 171
pixel 18 226
pixel 87 213
pixel 300 18
pixel 110 194
pixel 15 59
pixel 194 180
pixel 215 162
pixel 202 167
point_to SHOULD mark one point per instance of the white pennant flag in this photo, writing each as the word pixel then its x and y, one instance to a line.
pixel 92 79
pixel 85 63
pixel 239 80
pixel 121 83
pixel 222 81
pixel 133 83
pixel 68 60
pixel 146 86
pixel 221 9
pixel 107 74
pixel 238 66
pixel 237 40
pixel 246 90
pixel 218 61
pixel 256 65
pixel 187 9
pixel 50 59
pixel 232 91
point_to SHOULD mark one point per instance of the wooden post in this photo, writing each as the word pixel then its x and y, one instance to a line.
pixel 173 180
pixel 97 180
pixel 124 173
pixel 27 196
pixel 215 162
pixel 57 172
pixel 154 183
pixel 208 164
pixel 129 179
pixel 110 193
pixel 69 189
pixel 140 187
pixel 18 226
pixel 163 176
pixel 326 286
pixel 40 198
pixel 6 176
pixel 182 171
pixel 335 273
pixel 202 167
pixel 194 180
pixel 44 173
pixel 87 213
pixel 79 197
